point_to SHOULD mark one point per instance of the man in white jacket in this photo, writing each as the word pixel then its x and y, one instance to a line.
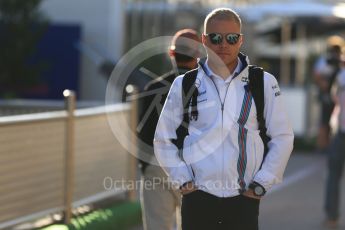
pixel 221 177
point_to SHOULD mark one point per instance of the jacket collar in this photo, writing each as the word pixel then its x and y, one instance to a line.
pixel 242 58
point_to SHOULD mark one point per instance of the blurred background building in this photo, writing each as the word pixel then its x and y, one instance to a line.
pixel 284 37
pixel 83 38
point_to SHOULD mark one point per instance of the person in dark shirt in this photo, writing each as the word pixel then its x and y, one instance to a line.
pixel 324 73
pixel 158 198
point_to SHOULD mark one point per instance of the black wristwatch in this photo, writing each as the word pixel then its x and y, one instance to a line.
pixel 258 189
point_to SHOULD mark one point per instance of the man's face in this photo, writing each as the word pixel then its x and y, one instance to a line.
pixel 226 52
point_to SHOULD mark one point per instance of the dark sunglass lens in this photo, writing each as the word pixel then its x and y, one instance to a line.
pixel 232 38
pixel 216 38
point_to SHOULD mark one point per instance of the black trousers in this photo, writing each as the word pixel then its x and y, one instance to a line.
pixel 203 211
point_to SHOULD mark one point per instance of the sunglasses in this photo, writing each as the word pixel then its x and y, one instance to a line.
pixel 217 38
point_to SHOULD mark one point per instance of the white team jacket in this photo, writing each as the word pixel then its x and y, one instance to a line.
pixel 211 151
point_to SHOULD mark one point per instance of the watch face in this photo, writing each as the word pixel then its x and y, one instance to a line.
pixel 258 191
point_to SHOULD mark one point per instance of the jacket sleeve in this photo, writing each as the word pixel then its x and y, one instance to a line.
pixel 166 152
pixel 279 129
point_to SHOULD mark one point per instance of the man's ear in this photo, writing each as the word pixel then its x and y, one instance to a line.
pixel 241 40
pixel 203 38
pixel 172 53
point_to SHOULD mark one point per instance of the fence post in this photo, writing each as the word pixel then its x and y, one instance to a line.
pixel 133 92
pixel 70 103
pixel 285 76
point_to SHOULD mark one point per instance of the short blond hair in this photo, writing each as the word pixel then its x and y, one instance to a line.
pixel 222 14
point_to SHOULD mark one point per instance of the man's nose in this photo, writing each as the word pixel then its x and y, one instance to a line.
pixel 224 43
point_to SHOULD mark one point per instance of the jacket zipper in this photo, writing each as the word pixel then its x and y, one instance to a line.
pixel 222 110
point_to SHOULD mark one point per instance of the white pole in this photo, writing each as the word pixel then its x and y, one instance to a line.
pixel 70 101
pixel 285 55
pixel 301 58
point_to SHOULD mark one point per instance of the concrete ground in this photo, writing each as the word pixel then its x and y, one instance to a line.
pixel 297 203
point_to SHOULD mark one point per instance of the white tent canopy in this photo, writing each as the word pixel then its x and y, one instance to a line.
pixel 256 12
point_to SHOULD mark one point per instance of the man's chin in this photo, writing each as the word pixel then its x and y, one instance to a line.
pixel 221 59
pixel 223 54
pixel 224 57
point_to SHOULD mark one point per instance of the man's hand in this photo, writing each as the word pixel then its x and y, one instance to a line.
pixel 188 188
pixel 250 193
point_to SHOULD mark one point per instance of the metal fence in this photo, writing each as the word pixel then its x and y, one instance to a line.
pixel 54 161
pixel 27 106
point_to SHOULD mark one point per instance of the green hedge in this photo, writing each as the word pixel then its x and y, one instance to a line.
pixel 120 217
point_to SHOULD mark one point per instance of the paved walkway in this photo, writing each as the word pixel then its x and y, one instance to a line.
pixel 297 204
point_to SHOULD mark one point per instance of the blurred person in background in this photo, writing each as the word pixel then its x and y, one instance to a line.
pixel 336 155
pixel 325 71
pixel 160 202
pixel 220 177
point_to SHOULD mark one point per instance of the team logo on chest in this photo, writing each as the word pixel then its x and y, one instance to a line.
pixel 245 79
